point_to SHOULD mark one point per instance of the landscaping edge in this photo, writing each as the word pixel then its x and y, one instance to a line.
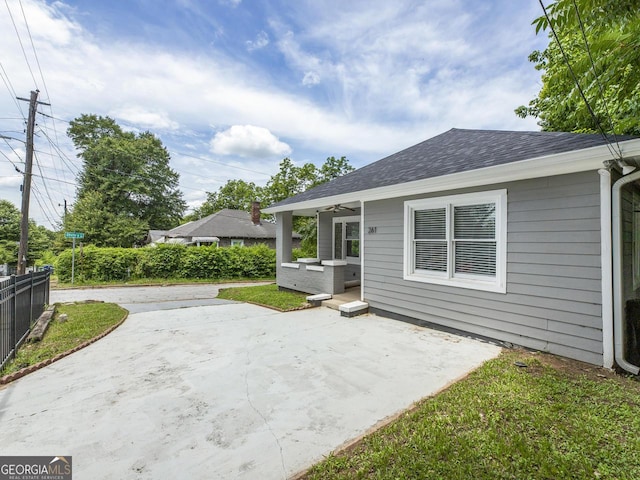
pixel 37 366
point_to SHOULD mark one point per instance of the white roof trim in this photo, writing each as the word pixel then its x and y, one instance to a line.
pixel 205 239
pixel 558 164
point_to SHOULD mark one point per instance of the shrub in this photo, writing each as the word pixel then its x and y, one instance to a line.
pixel 167 261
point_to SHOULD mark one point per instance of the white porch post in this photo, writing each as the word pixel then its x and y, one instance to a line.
pixel 284 233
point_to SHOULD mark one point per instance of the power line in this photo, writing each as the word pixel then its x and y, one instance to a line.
pixel 36 195
pixel 55 118
pixel 595 74
pixel 12 92
pixel 33 47
pixel 6 140
pixel 11 162
pixel 221 163
pixel 21 45
pixel 577 83
pixel 46 188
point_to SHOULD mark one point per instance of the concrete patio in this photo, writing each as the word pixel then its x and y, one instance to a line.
pixel 227 391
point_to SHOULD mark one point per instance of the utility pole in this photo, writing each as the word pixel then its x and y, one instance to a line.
pixel 26 186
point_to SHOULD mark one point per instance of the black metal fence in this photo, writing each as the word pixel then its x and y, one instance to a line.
pixel 22 301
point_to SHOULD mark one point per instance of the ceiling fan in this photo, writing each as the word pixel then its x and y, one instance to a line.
pixel 338 208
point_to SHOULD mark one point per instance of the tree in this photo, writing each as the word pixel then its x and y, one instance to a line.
pixel 235 194
pixel 333 168
pixel 291 180
pixel 126 185
pixel 612 31
pixel 40 239
pixel 103 226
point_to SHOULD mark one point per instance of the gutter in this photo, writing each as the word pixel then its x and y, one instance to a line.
pixel 607 268
pixel 618 296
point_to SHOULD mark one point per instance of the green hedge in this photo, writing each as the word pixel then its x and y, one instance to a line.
pixel 167 261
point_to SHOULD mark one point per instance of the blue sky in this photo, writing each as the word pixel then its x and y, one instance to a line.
pixel 233 86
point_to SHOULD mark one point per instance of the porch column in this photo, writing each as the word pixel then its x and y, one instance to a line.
pixel 325 236
pixel 284 233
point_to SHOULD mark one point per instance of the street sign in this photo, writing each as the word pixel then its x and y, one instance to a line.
pixel 73 235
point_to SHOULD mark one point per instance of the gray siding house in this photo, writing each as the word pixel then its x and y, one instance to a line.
pixel 531 238
pixel 225 228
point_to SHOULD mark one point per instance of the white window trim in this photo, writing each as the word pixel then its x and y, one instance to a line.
pixel 497 284
pixel 236 242
pixel 344 221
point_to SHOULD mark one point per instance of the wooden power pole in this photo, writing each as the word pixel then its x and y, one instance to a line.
pixel 26 186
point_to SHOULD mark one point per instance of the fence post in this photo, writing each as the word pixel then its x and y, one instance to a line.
pixel 31 302
pixel 14 328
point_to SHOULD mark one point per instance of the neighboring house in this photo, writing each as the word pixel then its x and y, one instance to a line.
pixel 531 238
pixel 224 228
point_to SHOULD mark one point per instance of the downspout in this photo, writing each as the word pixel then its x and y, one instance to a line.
pixel 618 295
pixel 606 268
pixel 362 250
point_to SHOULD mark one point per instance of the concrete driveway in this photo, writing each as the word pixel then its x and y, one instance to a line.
pixel 138 299
pixel 227 391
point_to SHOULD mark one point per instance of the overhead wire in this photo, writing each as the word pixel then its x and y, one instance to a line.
pixel 12 92
pixel 577 83
pixel 43 208
pixel 597 77
pixel 46 188
pixel 6 140
pixel 11 162
pixel 221 163
pixel 24 52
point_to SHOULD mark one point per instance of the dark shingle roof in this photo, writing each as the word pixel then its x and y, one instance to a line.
pixel 226 224
pixel 454 151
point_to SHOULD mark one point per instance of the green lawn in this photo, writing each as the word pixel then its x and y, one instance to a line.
pixel 267 295
pixel 85 321
pixel 545 421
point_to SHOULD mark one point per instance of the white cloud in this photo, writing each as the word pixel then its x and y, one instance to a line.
pixel 248 141
pixel 143 118
pixel 310 79
pixel 392 74
pixel 261 41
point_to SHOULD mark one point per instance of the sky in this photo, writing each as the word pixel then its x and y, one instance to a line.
pixel 231 87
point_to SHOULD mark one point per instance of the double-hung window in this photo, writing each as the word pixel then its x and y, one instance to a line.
pixel 346 239
pixel 458 240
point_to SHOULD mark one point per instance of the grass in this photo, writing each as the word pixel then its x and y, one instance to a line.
pixel 267 295
pixel 545 421
pixel 55 284
pixel 85 321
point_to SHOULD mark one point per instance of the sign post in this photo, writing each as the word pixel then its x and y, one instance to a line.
pixel 73 235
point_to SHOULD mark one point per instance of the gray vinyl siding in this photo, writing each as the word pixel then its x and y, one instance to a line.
pixel 553 299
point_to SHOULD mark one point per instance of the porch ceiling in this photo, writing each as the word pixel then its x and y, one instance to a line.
pixel 325 207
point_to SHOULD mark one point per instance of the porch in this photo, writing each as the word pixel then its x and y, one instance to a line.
pixel 338 263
